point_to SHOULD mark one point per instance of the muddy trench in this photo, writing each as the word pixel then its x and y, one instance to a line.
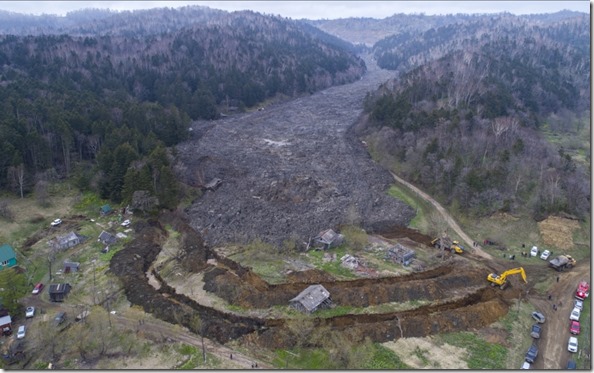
pixel 461 299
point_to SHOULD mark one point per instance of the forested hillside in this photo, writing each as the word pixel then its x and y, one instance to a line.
pixel 90 106
pixel 369 31
pixel 467 127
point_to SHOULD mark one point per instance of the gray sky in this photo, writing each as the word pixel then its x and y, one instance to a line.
pixel 312 9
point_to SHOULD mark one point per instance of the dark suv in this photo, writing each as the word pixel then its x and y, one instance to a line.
pixel 535 332
pixel 532 354
pixel 60 317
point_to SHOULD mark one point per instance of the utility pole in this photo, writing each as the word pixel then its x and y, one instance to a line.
pixel 94 283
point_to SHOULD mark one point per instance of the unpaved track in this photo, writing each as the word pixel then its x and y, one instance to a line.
pixel 447 217
pixel 553 352
pixel 166 331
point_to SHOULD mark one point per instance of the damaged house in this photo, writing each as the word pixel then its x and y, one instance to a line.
pixel 107 238
pixel 66 241
pixel 326 239
pixel 400 254
pixel 311 299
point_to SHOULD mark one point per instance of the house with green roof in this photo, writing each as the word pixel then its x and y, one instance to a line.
pixel 7 256
pixel 105 210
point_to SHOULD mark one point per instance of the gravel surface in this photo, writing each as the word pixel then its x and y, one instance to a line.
pixel 290 170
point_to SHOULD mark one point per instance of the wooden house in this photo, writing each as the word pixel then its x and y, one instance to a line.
pixel 57 292
pixel 7 257
pixel 311 299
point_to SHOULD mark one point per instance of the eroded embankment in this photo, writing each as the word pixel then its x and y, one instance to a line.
pixel 239 285
pixel 475 308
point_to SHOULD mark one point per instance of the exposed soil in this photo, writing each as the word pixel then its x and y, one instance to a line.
pixel 557 231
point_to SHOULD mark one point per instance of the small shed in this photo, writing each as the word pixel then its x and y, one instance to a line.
pixel 66 241
pixel 71 266
pixel 7 256
pixel 311 299
pixel 107 238
pixel 400 254
pixel 58 292
pixel 6 325
pixel 105 210
pixel 327 239
pixel 213 184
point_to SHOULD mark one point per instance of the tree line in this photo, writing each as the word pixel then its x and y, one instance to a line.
pixel 467 127
pixel 103 108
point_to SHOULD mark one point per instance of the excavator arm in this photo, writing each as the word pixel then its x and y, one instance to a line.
pixel 501 279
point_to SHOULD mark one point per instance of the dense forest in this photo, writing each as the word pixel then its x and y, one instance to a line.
pixel 467 124
pixel 92 106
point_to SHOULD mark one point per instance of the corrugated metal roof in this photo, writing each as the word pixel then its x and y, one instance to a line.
pixel 327 236
pixel 6 253
pixel 312 297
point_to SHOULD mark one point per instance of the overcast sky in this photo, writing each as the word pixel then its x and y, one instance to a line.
pixel 312 9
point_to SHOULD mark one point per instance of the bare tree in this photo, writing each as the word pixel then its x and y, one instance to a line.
pixel 18 176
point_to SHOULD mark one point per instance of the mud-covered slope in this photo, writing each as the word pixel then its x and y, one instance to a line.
pixel 290 170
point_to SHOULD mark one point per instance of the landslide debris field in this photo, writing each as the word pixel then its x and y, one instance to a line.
pixel 290 171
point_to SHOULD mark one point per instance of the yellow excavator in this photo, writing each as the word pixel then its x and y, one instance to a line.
pixel 446 243
pixel 501 280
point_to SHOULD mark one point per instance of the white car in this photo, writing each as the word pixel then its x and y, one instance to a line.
pixel 21 332
pixel 575 314
pixel 534 251
pixel 126 223
pixel 572 345
pixel 545 255
pixel 579 304
pixel 29 312
pixel 525 365
pixel 56 222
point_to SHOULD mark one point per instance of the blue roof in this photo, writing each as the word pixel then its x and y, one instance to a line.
pixel 106 208
pixel 6 253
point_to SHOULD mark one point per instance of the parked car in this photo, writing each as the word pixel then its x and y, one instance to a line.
pixel 574 327
pixel 539 317
pixel 572 345
pixel 126 223
pixel 579 304
pixel 575 314
pixel 525 365
pixel 21 332
pixel 534 251
pixel 582 291
pixel 531 354
pixel 571 364
pixel 60 318
pixel 535 332
pixel 38 288
pixel 29 312
pixel 56 222
pixel 545 255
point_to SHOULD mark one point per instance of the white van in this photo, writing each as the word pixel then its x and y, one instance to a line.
pixel 534 251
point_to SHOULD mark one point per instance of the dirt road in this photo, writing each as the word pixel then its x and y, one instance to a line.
pixel 166 331
pixel 447 217
pixel 553 352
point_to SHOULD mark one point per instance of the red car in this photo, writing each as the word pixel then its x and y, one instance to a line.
pixel 38 288
pixel 574 327
pixel 582 290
